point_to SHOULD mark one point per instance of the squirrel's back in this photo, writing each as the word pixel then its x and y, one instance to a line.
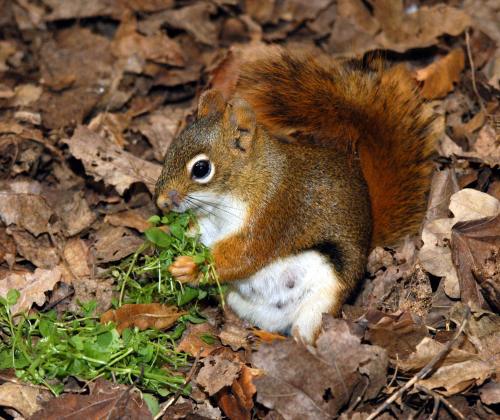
pixel 355 105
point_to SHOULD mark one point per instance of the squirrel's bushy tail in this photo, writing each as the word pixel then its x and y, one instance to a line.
pixel 358 105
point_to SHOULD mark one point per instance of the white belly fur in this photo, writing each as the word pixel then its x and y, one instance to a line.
pixel 289 295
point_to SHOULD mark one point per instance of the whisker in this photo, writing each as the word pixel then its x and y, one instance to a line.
pixel 209 203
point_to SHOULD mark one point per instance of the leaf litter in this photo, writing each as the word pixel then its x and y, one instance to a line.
pixel 80 149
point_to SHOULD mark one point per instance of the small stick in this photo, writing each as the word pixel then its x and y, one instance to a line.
pixel 172 400
pixel 441 399
pixel 424 371
pixel 473 71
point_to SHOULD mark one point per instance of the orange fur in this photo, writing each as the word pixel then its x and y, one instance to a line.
pixel 357 106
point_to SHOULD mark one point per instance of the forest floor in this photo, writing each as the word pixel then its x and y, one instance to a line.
pixel 92 93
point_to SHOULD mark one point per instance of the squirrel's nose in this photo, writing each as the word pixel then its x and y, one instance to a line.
pixel 168 200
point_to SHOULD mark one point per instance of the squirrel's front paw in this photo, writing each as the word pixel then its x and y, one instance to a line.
pixel 185 270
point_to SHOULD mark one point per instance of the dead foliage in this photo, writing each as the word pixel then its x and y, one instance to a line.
pixel 92 94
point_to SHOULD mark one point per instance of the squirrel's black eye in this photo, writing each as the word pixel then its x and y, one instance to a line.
pixel 201 169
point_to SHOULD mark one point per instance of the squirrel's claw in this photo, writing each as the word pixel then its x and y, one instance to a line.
pixel 184 269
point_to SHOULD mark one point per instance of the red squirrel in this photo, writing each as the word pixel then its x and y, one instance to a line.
pixel 310 164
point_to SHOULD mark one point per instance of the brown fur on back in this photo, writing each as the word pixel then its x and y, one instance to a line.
pixel 357 106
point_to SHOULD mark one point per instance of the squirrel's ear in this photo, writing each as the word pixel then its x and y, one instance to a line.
pixel 242 117
pixel 211 102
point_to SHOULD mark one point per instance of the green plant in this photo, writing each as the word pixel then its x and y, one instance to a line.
pixel 45 348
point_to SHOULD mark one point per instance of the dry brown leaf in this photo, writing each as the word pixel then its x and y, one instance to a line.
pixel 106 401
pixel 194 19
pixel 397 334
pixel 476 255
pixel 421 28
pixel 217 372
pixel 76 9
pixel 192 342
pixel 38 250
pixel 128 218
pixel 106 161
pixel 237 404
pixel 27 211
pixel 22 398
pixel 7 248
pixel 114 243
pixel 77 255
pixel 334 369
pixel 75 87
pixel 143 316
pixel 435 255
pixel 490 393
pixel 128 44
pixel 32 287
pixel 440 76
pixel 161 126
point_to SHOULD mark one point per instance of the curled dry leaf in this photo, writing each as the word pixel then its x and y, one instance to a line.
pixel 237 402
pixel 77 255
pixel 438 78
pixel 476 255
pixel 398 334
pixel 22 398
pixel 39 251
pixel 128 218
pixel 458 370
pixel 143 316
pixel 114 243
pixel 106 161
pixel 435 255
pixel 217 372
pixel 197 340
pixel 32 286
pixel 334 369
pixel 27 211
pixel 490 393
pixel 106 401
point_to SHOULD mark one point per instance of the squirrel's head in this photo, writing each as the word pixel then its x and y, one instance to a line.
pixel 210 156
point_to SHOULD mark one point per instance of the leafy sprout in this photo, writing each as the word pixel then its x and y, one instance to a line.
pixel 45 348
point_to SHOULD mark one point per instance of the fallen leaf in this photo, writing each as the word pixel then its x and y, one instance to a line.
pixel 143 316
pixel 106 401
pixel 22 398
pixel 217 372
pixel 27 211
pixel 128 218
pixel 457 371
pixel 114 243
pixel 7 248
pixel 32 287
pixel 338 364
pixel 438 78
pixel 194 19
pixel 398 334
pixel 76 9
pixel 77 255
pixel 38 250
pixel 237 402
pixel 435 254
pixel 402 31
pixel 159 48
pixel 161 126
pixel 475 252
pixel 75 86
pixel 490 393
pixel 192 340
pixel 106 161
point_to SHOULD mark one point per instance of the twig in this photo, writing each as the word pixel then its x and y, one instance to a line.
pixel 176 396
pixel 473 71
pixel 428 368
pixel 441 399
